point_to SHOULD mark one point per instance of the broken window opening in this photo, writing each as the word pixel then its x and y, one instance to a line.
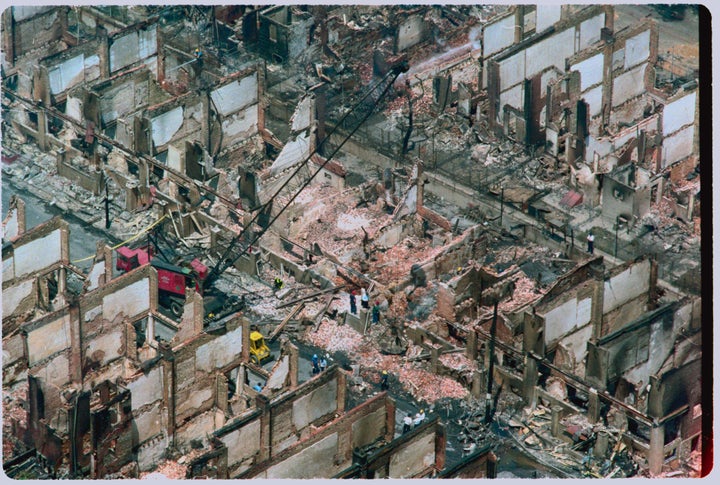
pixel 33 118
pixel 272 32
pixel 140 332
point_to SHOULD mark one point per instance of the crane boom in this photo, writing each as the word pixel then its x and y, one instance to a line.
pixel 236 248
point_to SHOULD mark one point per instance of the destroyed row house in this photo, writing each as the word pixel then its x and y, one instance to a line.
pixel 197 142
pixel 113 385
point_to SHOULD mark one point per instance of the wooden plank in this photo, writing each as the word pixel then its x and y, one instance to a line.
pixel 318 317
pixel 279 328
pixel 311 295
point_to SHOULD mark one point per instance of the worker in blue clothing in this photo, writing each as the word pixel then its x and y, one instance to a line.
pixel 315 364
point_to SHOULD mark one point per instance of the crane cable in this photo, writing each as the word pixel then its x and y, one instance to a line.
pixel 131 238
pixel 224 262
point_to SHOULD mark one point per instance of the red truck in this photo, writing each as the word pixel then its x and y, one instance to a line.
pixel 172 279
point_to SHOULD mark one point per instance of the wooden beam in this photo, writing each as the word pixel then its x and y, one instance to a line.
pixel 310 296
pixel 279 328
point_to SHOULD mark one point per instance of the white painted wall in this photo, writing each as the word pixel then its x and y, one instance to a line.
pixel 194 401
pixel 565 318
pixel 244 122
pixel 498 35
pixel 49 339
pixel 513 97
pixel 550 52
pixel 293 152
pixel 302 117
pixel 174 158
pixel 149 423
pixel 410 32
pixel 413 458
pixel 93 276
pixel 219 352
pixel 8 270
pixel 92 313
pixel 66 74
pixel 637 49
pixel 150 454
pixel 512 70
pixel 594 100
pixel 56 373
pixel 547 15
pixel 590 30
pixel 11 228
pixel 38 254
pixel 315 461
pixel 110 344
pixel 678 146
pixel 147 42
pixel 133 47
pixel 628 85
pixel 547 77
pixel 73 108
pixel 242 443
pixel 166 125
pixel 315 405
pixel 679 113
pixel 626 286
pixel 21 13
pixel 576 342
pixel 280 373
pixel 236 95
pixel 591 71
pixel 146 389
pixel 131 300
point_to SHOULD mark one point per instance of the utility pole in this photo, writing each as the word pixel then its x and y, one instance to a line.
pixel 617 225
pixel 488 395
pixel 107 205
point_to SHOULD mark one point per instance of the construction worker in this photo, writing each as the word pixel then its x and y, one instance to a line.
pixel 418 418
pixel 323 364
pixel 384 381
pixel 407 423
pixel 278 283
pixel 364 299
pixel 315 364
pixel 353 303
pixel 257 387
pixel 198 53
pixel 591 242
pixel 376 312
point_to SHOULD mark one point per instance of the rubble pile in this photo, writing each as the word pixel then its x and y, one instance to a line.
pixel 458 361
pixel 333 337
pixel 429 387
pixel 166 470
pixel 14 416
pixel 526 291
